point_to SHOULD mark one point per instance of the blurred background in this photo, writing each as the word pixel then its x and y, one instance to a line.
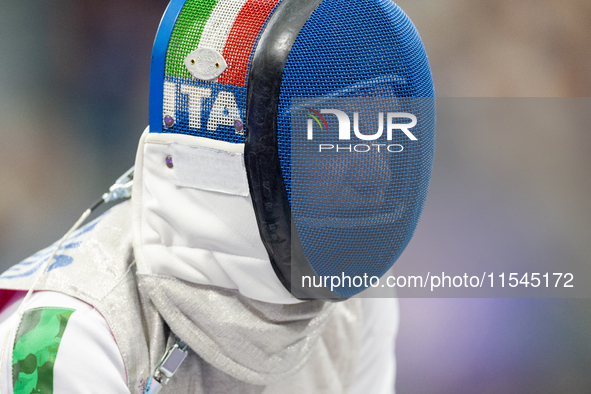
pixel 74 100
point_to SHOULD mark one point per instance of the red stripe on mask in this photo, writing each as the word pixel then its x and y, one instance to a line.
pixel 242 37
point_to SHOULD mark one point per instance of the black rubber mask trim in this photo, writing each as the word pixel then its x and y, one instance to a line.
pixel 261 156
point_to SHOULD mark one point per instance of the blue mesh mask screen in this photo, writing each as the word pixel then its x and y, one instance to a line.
pixel 356 136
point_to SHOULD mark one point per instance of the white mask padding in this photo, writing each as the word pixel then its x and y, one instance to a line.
pixel 210 169
pixel 195 221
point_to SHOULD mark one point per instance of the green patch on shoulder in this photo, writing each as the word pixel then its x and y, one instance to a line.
pixel 35 349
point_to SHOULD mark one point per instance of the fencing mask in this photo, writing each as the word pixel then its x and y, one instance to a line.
pixel 324 108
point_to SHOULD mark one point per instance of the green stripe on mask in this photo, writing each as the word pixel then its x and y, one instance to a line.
pixel 35 349
pixel 186 35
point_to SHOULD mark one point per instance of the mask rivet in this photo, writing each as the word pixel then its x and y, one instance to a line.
pixel 169 162
pixel 168 121
pixel 238 125
pixel 192 61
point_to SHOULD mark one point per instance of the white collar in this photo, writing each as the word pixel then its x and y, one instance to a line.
pixel 195 221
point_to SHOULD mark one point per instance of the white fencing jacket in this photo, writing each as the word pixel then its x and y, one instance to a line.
pixel 183 259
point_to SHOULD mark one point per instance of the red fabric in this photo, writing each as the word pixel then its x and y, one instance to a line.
pixel 242 38
pixel 5 297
